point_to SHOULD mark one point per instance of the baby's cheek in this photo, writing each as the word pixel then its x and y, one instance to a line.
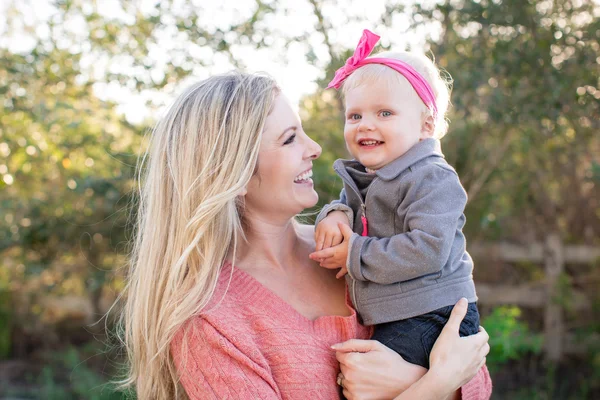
pixel 347 131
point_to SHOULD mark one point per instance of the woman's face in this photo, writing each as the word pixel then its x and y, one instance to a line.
pixel 282 185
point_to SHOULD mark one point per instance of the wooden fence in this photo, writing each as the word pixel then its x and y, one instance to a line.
pixel 553 254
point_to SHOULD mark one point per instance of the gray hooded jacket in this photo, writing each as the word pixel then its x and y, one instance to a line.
pixel 414 259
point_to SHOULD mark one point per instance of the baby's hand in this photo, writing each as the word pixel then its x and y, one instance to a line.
pixel 327 232
pixel 335 257
pixel 343 271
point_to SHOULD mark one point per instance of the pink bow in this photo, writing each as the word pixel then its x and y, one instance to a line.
pixel 365 46
pixel 363 49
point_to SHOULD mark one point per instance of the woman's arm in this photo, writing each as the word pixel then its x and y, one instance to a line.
pixel 372 371
pixel 211 367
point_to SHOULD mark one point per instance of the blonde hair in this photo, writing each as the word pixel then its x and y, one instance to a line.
pixel 439 80
pixel 202 154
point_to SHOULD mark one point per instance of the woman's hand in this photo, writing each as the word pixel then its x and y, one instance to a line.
pixel 455 360
pixel 371 370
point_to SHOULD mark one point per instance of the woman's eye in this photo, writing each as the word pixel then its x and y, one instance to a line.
pixel 290 140
pixel 386 113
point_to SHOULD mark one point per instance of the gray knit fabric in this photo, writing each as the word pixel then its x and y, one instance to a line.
pixel 414 259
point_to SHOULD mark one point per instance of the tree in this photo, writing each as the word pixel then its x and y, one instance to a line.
pixel 526 113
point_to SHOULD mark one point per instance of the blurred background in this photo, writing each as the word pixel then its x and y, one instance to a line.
pixel 82 81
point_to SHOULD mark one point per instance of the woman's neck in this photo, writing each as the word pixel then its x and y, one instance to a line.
pixel 269 245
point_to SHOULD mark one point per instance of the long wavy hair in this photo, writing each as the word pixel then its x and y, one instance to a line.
pixel 201 156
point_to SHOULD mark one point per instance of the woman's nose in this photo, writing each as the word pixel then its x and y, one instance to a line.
pixel 314 150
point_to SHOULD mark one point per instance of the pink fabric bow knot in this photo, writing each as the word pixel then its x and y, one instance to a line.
pixel 360 58
pixel 363 49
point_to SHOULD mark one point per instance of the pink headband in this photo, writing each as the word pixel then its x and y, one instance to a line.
pixel 363 49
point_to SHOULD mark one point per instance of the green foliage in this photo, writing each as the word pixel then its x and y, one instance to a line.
pixel 67 374
pixel 526 112
pixel 5 322
pixel 509 337
pixel 70 378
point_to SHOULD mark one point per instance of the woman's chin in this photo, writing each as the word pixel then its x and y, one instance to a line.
pixel 309 201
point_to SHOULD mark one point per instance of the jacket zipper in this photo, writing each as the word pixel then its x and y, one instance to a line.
pixel 365 231
pixel 363 218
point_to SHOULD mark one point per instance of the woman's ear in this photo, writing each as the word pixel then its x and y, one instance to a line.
pixel 427 127
pixel 243 192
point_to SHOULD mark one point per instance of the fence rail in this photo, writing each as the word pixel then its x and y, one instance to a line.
pixel 554 255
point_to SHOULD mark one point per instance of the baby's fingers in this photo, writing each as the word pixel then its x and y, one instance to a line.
pixel 329 263
pixel 341 273
pixel 322 254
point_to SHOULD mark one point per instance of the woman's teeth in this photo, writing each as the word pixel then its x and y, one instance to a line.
pixel 303 177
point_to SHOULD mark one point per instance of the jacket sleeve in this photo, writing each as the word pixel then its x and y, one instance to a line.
pixel 437 202
pixel 337 205
pixel 212 367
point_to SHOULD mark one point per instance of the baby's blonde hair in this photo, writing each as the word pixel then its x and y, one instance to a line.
pixel 439 80
pixel 202 154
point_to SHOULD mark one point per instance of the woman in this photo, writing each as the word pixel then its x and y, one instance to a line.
pixel 222 299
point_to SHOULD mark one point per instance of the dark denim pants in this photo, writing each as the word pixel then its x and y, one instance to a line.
pixel 413 338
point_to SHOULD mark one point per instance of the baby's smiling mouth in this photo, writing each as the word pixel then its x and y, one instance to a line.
pixel 369 142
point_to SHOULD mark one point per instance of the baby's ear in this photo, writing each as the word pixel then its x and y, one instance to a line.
pixel 427 127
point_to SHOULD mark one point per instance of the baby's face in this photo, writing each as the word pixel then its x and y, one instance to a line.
pixel 384 118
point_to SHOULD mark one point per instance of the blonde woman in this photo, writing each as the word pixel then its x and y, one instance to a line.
pixel 222 300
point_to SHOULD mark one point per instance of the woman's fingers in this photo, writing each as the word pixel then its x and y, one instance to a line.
pixel 356 345
pixel 458 314
pixel 480 339
pixel 319 241
pixel 484 333
pixel 350 359
pixel 457 359
pixel 485 350
pixel 347 394
pixel 373 371
pixel 337 239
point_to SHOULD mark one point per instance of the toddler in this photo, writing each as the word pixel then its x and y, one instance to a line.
pixel 396 230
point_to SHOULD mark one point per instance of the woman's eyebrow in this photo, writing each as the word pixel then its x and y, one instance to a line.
pixel 291 128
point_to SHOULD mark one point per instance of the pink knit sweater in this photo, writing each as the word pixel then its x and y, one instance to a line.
pixel 250 344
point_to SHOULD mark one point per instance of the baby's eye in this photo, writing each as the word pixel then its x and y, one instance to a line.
pixel 354 117
pixel 386 113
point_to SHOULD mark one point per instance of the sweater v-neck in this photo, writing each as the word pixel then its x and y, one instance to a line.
pixel 258 295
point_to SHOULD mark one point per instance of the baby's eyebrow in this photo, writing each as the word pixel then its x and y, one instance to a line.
pixel 382 105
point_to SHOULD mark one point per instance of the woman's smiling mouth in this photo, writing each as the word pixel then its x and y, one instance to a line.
pixel 304 177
